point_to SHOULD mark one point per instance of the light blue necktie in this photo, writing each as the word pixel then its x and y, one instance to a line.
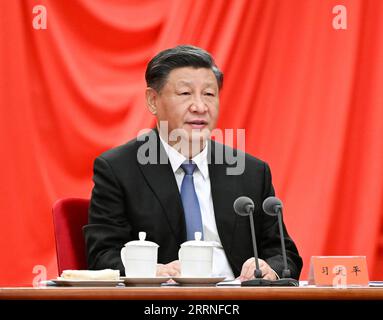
pixel 190 202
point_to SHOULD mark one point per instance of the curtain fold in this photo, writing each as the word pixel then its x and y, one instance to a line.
pixel 308 96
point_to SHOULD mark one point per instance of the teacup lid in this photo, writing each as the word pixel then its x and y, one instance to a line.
pixel 197 242
pixel 141 242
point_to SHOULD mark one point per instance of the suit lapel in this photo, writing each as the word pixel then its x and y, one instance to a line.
pixel 223 187
pixel 160 177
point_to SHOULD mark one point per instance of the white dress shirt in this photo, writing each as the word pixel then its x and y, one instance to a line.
pixel 202 186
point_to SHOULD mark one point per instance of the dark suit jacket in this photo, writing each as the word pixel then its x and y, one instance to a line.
pixel 129 197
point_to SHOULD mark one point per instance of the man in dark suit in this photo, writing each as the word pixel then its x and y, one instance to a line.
pixel 140 186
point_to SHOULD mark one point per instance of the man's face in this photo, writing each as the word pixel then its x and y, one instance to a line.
pixel 189 100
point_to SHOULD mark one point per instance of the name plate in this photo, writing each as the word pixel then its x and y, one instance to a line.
pixel 338 271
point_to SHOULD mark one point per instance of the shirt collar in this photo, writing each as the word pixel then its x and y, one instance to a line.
pixel 176 158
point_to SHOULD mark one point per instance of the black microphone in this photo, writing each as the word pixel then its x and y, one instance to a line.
pixel 244 206
pixel 274 207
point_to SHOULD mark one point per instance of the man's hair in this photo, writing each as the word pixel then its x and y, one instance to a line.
pixel 167 60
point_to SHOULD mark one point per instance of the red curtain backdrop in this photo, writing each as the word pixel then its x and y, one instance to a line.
pixel 309 96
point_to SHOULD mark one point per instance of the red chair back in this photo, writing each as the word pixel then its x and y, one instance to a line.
pixel 69 216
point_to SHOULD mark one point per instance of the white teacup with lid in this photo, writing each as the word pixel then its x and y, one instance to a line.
pixel 196 257
pixel 140 257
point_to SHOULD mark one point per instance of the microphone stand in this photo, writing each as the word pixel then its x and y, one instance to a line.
pixel 286 272
pixel 286 279
pixel 257 271
pixel 258 281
